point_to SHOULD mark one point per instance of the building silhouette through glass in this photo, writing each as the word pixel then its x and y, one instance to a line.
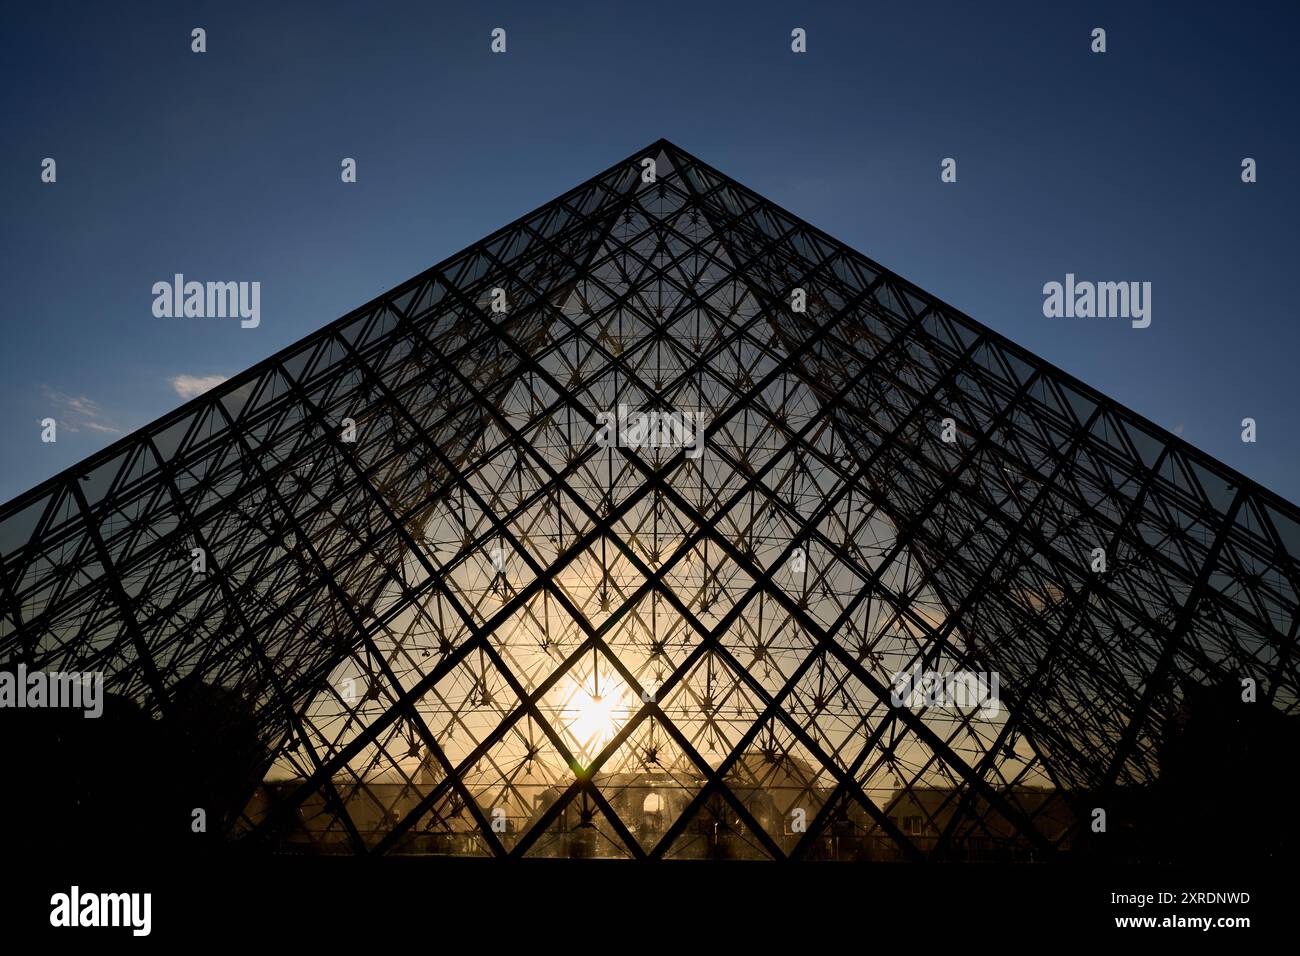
pixel 450 613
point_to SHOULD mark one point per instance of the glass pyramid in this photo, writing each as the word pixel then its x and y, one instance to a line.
pixel 449 609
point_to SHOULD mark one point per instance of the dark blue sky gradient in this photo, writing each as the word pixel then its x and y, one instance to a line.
pixel 225 166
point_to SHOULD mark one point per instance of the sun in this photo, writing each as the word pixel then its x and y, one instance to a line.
pixel 596 711
pixel 595 721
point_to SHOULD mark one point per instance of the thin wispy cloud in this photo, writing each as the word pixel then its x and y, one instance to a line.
pixel 188 386
pixel 77 412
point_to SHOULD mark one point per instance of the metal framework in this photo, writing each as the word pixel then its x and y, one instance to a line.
pixel 479 629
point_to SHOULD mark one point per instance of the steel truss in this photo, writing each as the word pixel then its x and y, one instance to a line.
pixel 477 629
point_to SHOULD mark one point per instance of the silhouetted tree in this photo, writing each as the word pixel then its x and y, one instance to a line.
pixel 123 783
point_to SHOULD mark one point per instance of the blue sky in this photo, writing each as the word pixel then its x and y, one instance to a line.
pixel 225 166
